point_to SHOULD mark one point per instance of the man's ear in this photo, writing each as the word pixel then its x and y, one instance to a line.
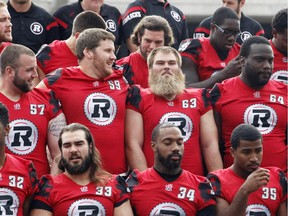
pixel 90 147
pixel 77 34
pixel 87 53
pixel 232 152
pixel 9 71
pixel 6 130
pixel 274 33
pixel 242 59
pixel 153 146
pixel 242 3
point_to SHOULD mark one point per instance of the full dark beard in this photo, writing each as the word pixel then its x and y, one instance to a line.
pixel 79 168
pixel 168 163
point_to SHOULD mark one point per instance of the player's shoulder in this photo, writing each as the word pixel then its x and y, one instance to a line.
pixel 248 20
pixel 40 93
pixel 205 22
pixel 280 86
pixel 273 169
pixel 136 3
pixel 194 44
pixel 49 48
pixel 175 8
pixel 193 177
pixel 137 89
pixel 42 12
pixel 219 172
pixel 110 8
pixel 194 91
pixel 17 161
pixel 66 9
pixel 225 85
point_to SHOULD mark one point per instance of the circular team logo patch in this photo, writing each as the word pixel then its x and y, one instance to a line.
pixel 263 117
pixel 176 16
pixel 111 25
pixel 86 207
pixel 22 138
pixel 36 28
pixel 281 76
pixel 245 35
pixel 9 202
pixel 182 121
pixel 100 109
pixel 257 210
pixel 184 44
pixel 167 208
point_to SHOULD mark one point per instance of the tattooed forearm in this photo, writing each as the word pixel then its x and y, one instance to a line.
pixel 56 125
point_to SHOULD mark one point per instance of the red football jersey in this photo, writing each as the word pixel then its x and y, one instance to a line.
pixel 135 69
pixel 184 111
pixel 100 105
pixel 62 196
pixel 266 109
pixel 17 181
pixel 265 200
pixel 280 71
pixel 29 119
pixel 150 194
pixel 204 55
pixel 55 55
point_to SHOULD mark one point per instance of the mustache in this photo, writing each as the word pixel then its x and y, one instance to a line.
pixel 74 156
pixel 253 164
pixel 175 155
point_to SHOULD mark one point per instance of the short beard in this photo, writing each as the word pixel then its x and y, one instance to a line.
pixel 162 86
pixel 79 168
pixel 21 84
pixel 166 162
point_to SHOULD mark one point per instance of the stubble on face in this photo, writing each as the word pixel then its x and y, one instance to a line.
pixel 20 83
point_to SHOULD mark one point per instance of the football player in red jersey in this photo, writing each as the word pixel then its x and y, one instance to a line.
pixel 83 187
pixel 94 94
pixel 62 53
pixel 18 177
pixel 166 188
pixel 207 61
pixel 35 114
pixel 253 98
pixel 245 188
pixel 279 45
pixel 149 33
pixel 167 100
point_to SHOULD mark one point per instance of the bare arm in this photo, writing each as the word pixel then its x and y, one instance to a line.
pixel 41 85
pixel 134 138
pixel 123 210
pixel 190 70
pixel 132 47
pixel 55 126
pixel 209 142
pixel 41 74
pixel 282 209
pixel 37 212
pixel 26 205
pixel 238 206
